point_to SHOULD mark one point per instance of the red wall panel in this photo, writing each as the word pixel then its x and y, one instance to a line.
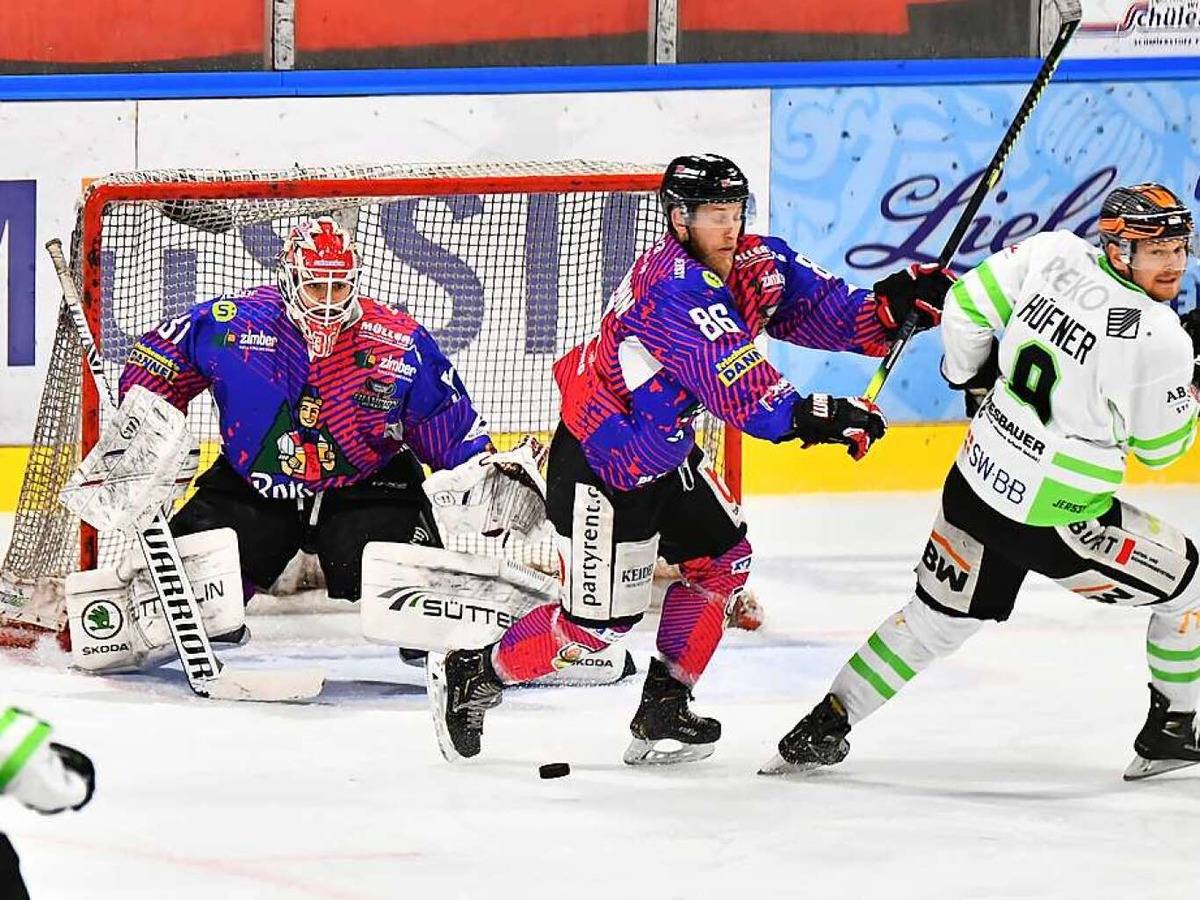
pixel 82 31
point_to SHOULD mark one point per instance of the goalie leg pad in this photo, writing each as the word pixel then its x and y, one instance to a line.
pixel 103 638
pixel 427 598
pixel 115 617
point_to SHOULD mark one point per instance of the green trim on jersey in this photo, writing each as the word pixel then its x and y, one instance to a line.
pixel 19 755
pixel 1157 443
pixel 960 293
pixel 994 292
pixel 1083 467
pixel 1062 504
pixel 1162 461
pixel 1107 267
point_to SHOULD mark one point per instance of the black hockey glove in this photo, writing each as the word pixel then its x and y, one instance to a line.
pixel 1190 321
pixel 81 765
pixel 922 286
pixel 976 388
pixel 853 421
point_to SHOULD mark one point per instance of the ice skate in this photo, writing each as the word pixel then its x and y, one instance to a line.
pixel 819 739
pixel 462 687
pixel 1166 742
pixel 664 715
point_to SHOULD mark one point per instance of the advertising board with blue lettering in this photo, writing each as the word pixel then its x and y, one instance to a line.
pixel 866 180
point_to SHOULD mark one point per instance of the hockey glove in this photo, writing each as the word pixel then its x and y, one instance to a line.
pixel 976 388
pixel 53 777
pixel 853 421
pixel 1190 321
pixel 922 286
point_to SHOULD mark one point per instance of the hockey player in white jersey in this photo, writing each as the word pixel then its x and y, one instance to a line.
pixel 41 774
pixel 1072 359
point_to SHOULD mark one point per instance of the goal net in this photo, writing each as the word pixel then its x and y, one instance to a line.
pixel 507 265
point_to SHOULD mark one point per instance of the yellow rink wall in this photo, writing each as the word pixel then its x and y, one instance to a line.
pixel 909 458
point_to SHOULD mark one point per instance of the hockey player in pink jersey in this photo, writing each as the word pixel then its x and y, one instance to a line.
pixel 626 482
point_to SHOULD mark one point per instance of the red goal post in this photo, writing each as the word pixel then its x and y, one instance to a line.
pixel 508 264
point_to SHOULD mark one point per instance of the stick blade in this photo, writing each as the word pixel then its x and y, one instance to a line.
pixel 266 685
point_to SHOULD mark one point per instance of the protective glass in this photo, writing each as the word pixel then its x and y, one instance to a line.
pixel 1164 254
pixel 720 215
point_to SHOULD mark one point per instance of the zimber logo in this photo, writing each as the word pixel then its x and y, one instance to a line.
pixel 252 340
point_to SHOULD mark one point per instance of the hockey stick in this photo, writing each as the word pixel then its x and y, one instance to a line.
pixel 1071 12
pixel 205 674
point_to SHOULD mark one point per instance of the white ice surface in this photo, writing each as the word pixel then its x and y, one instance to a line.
pixel 994 775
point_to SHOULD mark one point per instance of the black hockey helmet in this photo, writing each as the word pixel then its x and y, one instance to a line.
pixel 704 178
pixel 1143 212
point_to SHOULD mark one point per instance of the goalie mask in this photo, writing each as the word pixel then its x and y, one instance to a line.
pixel 691 182
pixel 1144 213
pixel 318 277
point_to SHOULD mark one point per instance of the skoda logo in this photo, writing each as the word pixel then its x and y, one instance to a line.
pixel 101 619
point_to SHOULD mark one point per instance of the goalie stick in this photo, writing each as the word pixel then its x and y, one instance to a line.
pixel 205 674
pixel 1070 12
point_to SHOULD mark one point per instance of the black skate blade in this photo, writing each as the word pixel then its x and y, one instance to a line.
pixel 435 685
pixel 1147 768
pixel 777 765
pixel 646 753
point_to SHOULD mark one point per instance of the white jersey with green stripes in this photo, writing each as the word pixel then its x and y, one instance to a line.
pixel 1091 369
pixel 21 735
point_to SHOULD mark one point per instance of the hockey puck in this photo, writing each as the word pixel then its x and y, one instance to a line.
pixel 554 770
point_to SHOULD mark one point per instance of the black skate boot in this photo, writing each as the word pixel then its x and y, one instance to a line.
pixel 819 739
pixel 664 715
pixel 462 687
pixel 1166 742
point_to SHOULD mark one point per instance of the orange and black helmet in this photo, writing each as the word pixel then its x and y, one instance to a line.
pixel 1143 212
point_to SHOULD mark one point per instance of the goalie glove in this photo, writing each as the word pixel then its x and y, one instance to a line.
pixel 143 462
pixel 854 421
pixel 493 494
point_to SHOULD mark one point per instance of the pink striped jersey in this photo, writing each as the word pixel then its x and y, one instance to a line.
pixel 291 425
pixel 675 338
